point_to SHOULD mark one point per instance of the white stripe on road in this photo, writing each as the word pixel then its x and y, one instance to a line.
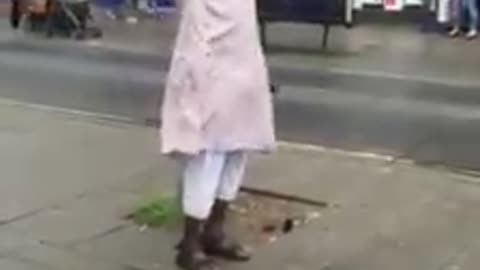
pixel 109 117
pixel 322 149
pixel 62 110
pixel 452 82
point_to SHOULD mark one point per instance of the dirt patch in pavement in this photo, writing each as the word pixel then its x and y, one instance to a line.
pixel 257 217
pixel 261 220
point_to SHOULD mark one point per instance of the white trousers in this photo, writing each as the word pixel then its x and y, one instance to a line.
pixel 444 11
pixel 209 176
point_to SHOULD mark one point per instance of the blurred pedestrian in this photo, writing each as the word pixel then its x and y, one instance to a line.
pixel 15 14
pixel 459 7
pixel 217 109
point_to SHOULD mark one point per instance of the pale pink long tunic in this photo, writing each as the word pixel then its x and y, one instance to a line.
pixel 217 93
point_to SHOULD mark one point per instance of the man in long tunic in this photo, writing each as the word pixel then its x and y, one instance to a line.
pixel 217 109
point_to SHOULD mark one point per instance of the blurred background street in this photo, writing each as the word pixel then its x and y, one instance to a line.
pixel 360 123
pixel 387 87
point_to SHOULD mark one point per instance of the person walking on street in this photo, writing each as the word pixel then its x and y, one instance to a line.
pixel 217 109
pixel 459 6
pixel 15 14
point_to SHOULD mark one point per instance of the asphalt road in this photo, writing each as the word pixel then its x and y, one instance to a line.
pixel 432 123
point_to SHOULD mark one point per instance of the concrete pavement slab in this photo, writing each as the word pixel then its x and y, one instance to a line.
pixel 161 179
pixel 12 240
pixel 13 264
pixel 146 250
pixel 47 157
pixel 382 214
pixel 82 219
pixel 53 258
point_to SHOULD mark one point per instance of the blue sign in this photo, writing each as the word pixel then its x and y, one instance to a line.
pixel 110 4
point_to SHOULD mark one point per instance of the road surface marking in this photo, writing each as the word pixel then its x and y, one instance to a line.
pixel 110 117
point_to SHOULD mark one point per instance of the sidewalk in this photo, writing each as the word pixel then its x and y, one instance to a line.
pixel 399 51
pixel 369 49
pixel 67 181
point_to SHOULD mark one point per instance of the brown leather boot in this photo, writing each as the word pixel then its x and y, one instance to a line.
pixel 191 255
pixel 215 241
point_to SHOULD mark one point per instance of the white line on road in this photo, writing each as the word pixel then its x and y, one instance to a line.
pixel 323 149
pixel 110 117
pixel 62 110
pixel 405 77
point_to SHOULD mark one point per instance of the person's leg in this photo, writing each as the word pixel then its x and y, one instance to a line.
pixel 456 12
pixel 51 18
pixel 83 13
pixel 472 9
pixel 15 14
pixel 200 181
pixel 444 11
pixel 232 176
pixel 215 240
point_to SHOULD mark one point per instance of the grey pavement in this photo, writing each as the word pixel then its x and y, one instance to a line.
pixel 69 179
pixel 388 216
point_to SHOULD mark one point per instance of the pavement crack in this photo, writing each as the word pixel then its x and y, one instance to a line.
pixel 109 232
pixel 21 217
pixel 131 267
pixel 100 235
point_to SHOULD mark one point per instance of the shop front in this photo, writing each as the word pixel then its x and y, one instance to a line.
pixel 438 7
